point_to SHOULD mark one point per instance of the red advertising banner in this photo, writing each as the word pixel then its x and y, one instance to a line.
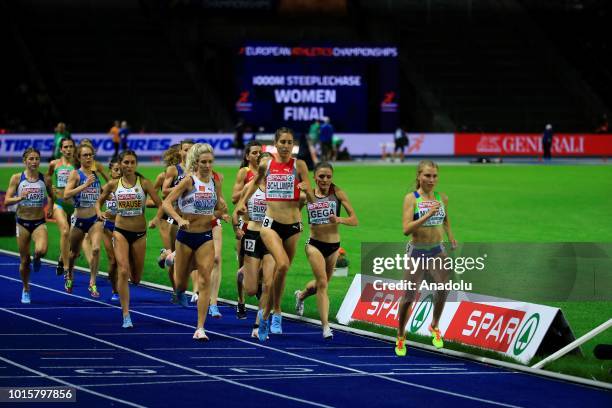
pixel 380 307
pixel 484 325
pixel 530 144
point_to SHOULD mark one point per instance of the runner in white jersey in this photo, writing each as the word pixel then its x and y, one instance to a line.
pixel 29 192
pixel 258 262
pixel 130 245
pixel 108 228
pixel 84 186
pixel 324 242
pixel 425 217
pixel 200 201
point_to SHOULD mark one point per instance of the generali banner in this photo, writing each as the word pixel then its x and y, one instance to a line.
pixel 510 327
pixel 530 144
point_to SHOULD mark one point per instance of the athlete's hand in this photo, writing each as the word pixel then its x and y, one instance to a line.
pixel 241 208
pixel 90 180
pixel 101 216
pixel 453 243
pixel 225 217
pixel 50 212
pixel 153 223
pixel 433 209
pixel 334 219
pixel 301 186
pixel 239 233
pixel 183 224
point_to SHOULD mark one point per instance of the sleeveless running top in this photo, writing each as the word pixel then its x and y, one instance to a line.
pixel 201 200
pixel 60 175
pixel 180 175
pixel 282 181
pixel 320 210
pixel 422 207
pixel 36 192
pixel 130 201
pixel 249 175
pixel 88 197
pixel 257 206
pixel 111 204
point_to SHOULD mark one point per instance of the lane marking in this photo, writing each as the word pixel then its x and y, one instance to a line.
pixel 206 357
pixel 77 358
pixel 415 385
pixel 78 387
pixel 199 348
pixel 170 363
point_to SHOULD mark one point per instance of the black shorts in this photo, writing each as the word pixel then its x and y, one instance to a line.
pixel 130 236
pixel 326 248
pixel 284 231
pixel 30 225
pixel 252 245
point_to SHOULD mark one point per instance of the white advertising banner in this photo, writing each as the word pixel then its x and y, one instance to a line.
pixel 152 145
pixel 514 328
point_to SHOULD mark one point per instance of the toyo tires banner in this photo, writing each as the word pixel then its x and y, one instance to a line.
pixel 530 144
pixel 514 328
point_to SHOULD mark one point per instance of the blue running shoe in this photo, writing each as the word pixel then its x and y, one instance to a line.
pixel 127 322
pixel 36 264
pixel 276 327
pixel 25 297
pixel 213 310
pixel 115 297
pixel 181 297
pixel 264 326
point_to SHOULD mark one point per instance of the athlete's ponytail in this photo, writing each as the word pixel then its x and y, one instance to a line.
pixel 420 167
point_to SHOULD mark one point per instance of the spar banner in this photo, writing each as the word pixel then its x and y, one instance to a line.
pixel 530 144
pixel 151 146
pixel 514 328
pixel 294 85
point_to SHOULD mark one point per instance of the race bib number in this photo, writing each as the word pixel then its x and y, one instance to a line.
pixel 267 222
pixel 249 245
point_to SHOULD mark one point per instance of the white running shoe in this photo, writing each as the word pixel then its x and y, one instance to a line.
pixel 255 333
pixel 328 334
pixel 299 303
pixel 194 298
pixel 200 334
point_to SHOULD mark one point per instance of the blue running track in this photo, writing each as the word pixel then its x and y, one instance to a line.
pixel 72 339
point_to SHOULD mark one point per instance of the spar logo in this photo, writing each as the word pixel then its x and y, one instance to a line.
pixel 380 307
pixel 487 326
pixel 526 334
pixel 421 314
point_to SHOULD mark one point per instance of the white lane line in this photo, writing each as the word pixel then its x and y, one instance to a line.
pixel 53 349
pixel 77 358
pixel 381 356
pixel 78 387
pixel 9 264
pixel 282 377
pixel 407 364
pixel 337 348
pixel 199 348
pixel 58 307
pixel 284 333
pixel 143 334
pixel 33 334
pixel 415 385
pixel 258 365
pixel 170 363
pixel 206 357
pixel 108 366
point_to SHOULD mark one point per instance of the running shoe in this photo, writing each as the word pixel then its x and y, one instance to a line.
pixel 173 299
pixel 276 326
pixel 59 269
pixel 68 284
pixel 299 303
pixel 436 337
pixel 114 297
pixel 254 332
pixel 200 335
pixel 170 259
pixel 194 298
pixel 25 297
pixel 264 326
pixel 127 322
pixel 36 264
pixel 213 310
pixel 400 347
pixel 181 298
pixel 93 291
pixel 161 259
pixel 241 312
pixel 328 334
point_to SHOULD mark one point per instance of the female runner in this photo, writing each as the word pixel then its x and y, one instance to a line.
pixel 108 228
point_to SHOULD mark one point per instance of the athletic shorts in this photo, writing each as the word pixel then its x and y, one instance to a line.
pixel 252 245
pixel 326 248
pixel 284 231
